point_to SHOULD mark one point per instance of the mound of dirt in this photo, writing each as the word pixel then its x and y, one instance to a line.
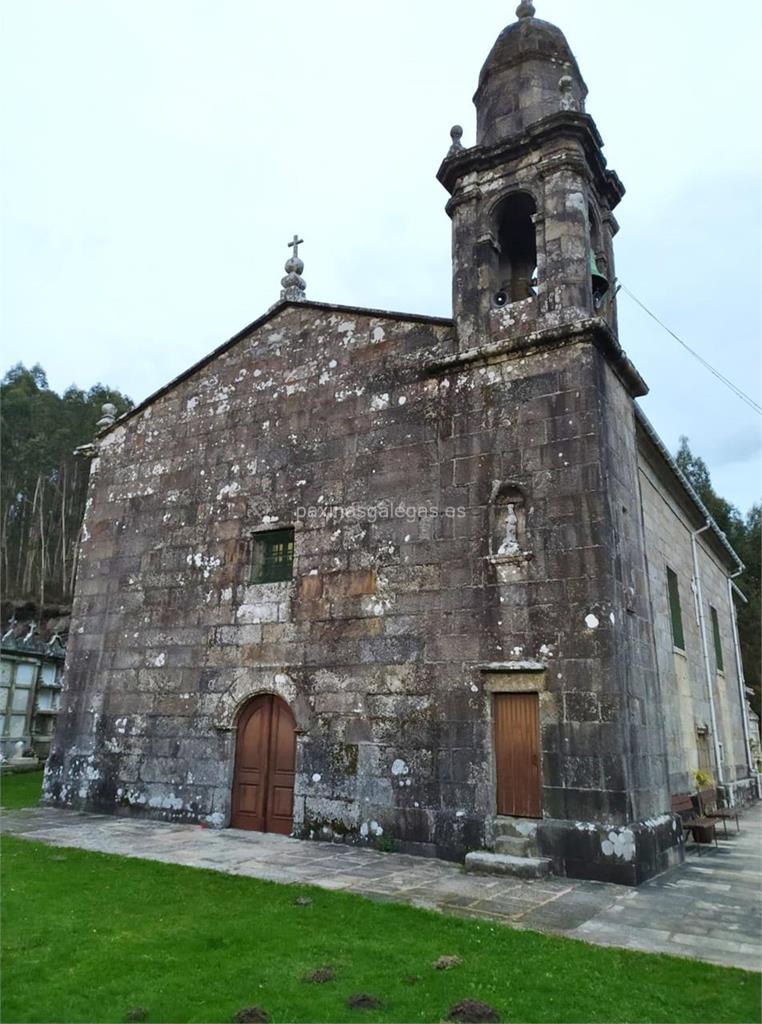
pixel 320 975
pixel 471 1011
pixel 363 1001
pixel 446 963
pixel 252 1015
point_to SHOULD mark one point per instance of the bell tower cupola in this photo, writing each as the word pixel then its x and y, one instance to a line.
pixel 531 203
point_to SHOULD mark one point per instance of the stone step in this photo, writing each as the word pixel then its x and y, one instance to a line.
pixel 485 863
pixel 521 828
pixel 515 847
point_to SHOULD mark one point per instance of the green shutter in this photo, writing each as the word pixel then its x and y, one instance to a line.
pixel 678 637
pixel 718 660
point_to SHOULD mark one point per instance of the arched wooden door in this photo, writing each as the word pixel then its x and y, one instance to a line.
pixel 265 761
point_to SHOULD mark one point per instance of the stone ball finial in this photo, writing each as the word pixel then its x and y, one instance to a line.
pixel 456 134
pixel 565 85
pixel 293 287
pixel 525 9
pixel 108 416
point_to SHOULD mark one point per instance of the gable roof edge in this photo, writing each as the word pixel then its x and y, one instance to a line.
pixel 271 313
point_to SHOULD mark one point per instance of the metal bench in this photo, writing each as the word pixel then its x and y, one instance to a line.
pixel 698 825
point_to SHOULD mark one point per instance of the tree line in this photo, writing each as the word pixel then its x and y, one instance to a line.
pixel 44 488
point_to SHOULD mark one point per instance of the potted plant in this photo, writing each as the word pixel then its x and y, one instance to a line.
pixel 703 780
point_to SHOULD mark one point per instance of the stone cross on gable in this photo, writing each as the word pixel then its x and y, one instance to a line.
pixel 293 285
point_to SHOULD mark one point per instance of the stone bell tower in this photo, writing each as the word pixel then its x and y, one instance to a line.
pixel 534 313
pixel 531 203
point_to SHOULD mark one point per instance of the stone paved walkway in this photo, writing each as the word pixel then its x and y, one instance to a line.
pixel 708 908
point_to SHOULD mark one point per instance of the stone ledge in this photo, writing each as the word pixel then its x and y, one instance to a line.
pixel 484 863
pixel 517 559
pixel 581 327
pixel 528 665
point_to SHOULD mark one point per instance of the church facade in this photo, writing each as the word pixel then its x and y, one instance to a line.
pixel 430 583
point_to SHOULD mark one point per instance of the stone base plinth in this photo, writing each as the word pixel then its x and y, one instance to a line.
pixel 625 854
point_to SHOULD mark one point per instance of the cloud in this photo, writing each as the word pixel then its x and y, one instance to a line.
pixel 736 448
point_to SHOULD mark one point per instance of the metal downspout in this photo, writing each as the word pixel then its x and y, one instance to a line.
pixel 739 673
pixel 707 666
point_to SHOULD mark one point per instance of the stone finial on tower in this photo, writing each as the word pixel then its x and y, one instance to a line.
pixel 456 134
pixel 525 9
pixel 293 286
pixel 567 99
pixel 107 418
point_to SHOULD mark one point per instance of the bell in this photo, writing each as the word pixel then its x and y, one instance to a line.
pixel 600 283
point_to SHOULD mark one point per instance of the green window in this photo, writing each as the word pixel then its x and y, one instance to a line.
pixel 718 660
pixel 676 615
pixel 272 556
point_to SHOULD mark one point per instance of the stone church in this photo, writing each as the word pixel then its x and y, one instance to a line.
pixel 430 584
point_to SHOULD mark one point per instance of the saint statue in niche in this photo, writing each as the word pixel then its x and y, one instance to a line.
pixel 510 545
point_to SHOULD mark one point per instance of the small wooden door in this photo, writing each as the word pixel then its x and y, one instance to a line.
pixel 517 754
pixel 265 761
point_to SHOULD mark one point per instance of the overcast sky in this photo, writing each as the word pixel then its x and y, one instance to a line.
pixel 158 156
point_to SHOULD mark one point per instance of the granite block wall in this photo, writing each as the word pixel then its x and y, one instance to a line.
pixel 390 457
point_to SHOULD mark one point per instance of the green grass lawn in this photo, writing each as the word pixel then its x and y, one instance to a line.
pixel 22 790
pixel 91 937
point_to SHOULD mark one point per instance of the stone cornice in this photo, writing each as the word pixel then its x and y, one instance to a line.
pixel 591 328
pixel 555 127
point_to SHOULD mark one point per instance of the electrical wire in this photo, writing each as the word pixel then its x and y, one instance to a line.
pixel 728 383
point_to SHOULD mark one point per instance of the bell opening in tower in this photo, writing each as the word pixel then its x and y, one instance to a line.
pixel 598 278
pixel 517 249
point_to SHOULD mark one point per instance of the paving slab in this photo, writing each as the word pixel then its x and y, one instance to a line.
pixel 709 906
pixel 706 909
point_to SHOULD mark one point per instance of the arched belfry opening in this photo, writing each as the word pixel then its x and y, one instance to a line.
pixel 514 230
pixel 598 262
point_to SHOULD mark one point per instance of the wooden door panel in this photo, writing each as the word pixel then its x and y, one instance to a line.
pixel 282 801
pixel 252 751
pixel 248 798
pixel 517 754
pixel 265 760
pixel 280 796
